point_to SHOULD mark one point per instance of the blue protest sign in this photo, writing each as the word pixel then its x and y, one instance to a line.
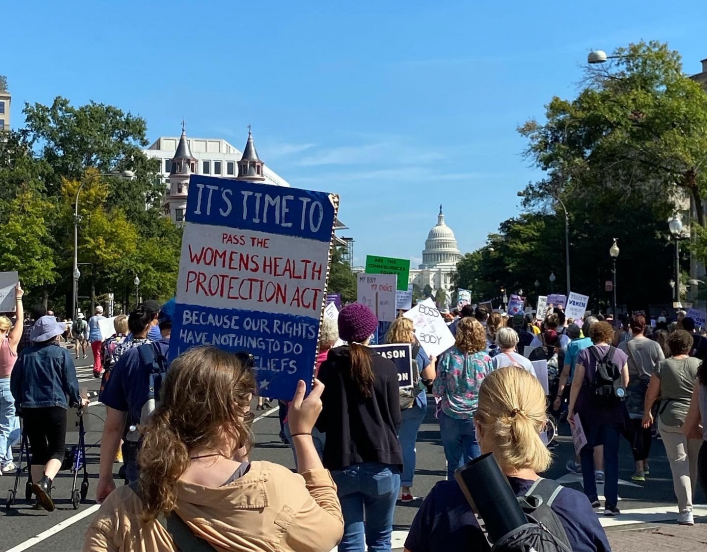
pixel 401 355
pixel 253 274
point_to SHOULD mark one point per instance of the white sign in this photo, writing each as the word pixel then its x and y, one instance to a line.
pixel 542 307
pixel 698 316
pixel 107 327
pixel 377 292
pixel 576 305
pixel 8 281
pixel 578 437
pixel 331 312
pixel 541 372
pixel 430 328
pixel 403 299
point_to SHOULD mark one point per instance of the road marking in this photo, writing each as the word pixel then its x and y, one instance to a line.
pixel 274 409
pixel 648 515
pixel 54 530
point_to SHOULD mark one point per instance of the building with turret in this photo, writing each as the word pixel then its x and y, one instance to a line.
pixel 439 259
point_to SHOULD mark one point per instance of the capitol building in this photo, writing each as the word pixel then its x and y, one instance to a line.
pixel 439 259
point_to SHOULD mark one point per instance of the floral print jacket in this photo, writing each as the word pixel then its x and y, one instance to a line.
pixel 459 376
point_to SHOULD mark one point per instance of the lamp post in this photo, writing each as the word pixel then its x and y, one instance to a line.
pixel 614 252
pixel 128 175
pixel 137 290
pixel 552 282
pixel 675 226
pixel 567 236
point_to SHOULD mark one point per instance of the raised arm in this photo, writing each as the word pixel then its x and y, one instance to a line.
pixel 16 333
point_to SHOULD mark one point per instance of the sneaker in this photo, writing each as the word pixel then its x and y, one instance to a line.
pixel 406 498
pixel 595 504
pixel 8 468
pixel 685 518
pixel 611 511
pixel 599 476
pixel 573 467
pixel 43 490
pixel 639 476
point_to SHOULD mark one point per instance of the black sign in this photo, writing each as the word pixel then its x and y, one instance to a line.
pixel 401 355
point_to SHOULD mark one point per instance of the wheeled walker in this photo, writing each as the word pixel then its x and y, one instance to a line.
pixel 76 460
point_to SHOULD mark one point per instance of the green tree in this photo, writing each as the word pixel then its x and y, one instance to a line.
pixel 25 241
pixel 441 298
pixel 341 278
pixel 3 83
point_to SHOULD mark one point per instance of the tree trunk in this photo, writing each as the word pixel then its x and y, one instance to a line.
pixel 45 297
pixel 93 297
pixel 699 211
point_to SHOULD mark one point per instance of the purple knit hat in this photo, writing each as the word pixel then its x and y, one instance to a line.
pixel 356 323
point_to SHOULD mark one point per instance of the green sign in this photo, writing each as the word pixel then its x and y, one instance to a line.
pixel 388 265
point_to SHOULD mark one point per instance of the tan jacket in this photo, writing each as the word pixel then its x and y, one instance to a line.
pixel 268 509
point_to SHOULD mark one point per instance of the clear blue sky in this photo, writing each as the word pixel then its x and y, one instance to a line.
pixel 398 106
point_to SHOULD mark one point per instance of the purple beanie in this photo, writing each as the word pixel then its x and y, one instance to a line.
pixel 356 323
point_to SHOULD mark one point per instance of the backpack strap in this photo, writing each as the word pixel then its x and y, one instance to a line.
pixel 545 489
pixel 183 537
pixel 151 357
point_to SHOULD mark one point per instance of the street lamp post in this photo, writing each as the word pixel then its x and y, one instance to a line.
pixel 552 282
pixel 614 252
pixel 675 226
pixel 137 291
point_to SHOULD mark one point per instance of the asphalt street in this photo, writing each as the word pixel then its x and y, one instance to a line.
pixel 22 528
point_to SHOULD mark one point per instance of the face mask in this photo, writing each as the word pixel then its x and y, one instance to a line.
pixel 662 319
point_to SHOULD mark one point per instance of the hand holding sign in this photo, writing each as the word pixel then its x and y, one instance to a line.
pixel 303 413
pixel 19 292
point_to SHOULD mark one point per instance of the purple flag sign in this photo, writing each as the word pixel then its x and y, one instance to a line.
pixel 334 298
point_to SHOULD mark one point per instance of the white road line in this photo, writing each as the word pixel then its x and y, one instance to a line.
pixel 54 530
pixel 274 409
pixel 648 515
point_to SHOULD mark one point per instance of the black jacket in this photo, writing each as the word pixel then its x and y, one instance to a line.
pixel 358 428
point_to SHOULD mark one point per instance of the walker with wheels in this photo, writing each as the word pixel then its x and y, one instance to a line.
pixel 75 460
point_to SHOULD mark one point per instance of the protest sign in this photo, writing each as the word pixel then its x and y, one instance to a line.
pixel 541 373
pixel 377 292
pixel 698 316
pixel 430 328
pixel 401 355
pixel 557 300
pixel 576 305
pixel 515 305
pixel 488 305
pixel 389 265
pixel 253 274
pixel 331 312
pixel 107 327
pixel 403 299
pixel 463 297
pixel 542 307
pixel 334 298
pixel 8 282
pixel 579 439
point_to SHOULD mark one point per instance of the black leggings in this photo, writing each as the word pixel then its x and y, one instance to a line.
pixel 702 467
pixel 46 430
pixel 643 440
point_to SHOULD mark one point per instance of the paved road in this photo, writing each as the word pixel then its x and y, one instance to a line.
pixel 22 528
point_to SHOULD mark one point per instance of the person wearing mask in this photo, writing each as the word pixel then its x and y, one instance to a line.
pixel 495 323
pixel 507 341
pixel 699 344
pixel 643 356
pixel 361 418
pixel 44 385
pixel 674 381
pixel 95 337
pixel 328 336
pixel 460 371
pixel 195 470
pixel 563 391
pixel 9 423
pixel 602 420
pixel 509 419
pixel 402 331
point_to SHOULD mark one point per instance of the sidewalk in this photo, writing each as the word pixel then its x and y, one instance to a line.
pixel 660 537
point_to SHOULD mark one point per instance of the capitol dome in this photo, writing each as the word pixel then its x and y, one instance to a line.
pixel 441 245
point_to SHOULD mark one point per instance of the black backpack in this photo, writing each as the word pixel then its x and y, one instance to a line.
pixel 544 531
pixel 607 386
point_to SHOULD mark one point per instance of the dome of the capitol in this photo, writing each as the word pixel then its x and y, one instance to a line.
pixel 441 245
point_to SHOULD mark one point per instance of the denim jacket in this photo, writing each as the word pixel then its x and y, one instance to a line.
pixel 44 376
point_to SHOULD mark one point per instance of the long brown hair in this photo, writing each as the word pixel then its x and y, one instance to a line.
pixel 362 368
pixel 205 405
pixel 471 337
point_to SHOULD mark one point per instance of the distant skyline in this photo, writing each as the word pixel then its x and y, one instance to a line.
pixel 395 106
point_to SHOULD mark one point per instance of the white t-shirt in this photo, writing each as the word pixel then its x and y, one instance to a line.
pixel 509 359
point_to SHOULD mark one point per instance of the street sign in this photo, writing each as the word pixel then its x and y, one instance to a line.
pixel 390 265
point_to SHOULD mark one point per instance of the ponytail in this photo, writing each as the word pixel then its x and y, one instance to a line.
pixel 163 459
pixel 362 368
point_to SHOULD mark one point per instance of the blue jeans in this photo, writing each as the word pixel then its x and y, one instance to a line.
pixel 412 420
pixel 610 437
pixel 459 441
pixel 367 491
pixel 318 438
pixel 9 423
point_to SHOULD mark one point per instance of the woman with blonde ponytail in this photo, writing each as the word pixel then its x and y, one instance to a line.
pixel 195 472
pixel 509 419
